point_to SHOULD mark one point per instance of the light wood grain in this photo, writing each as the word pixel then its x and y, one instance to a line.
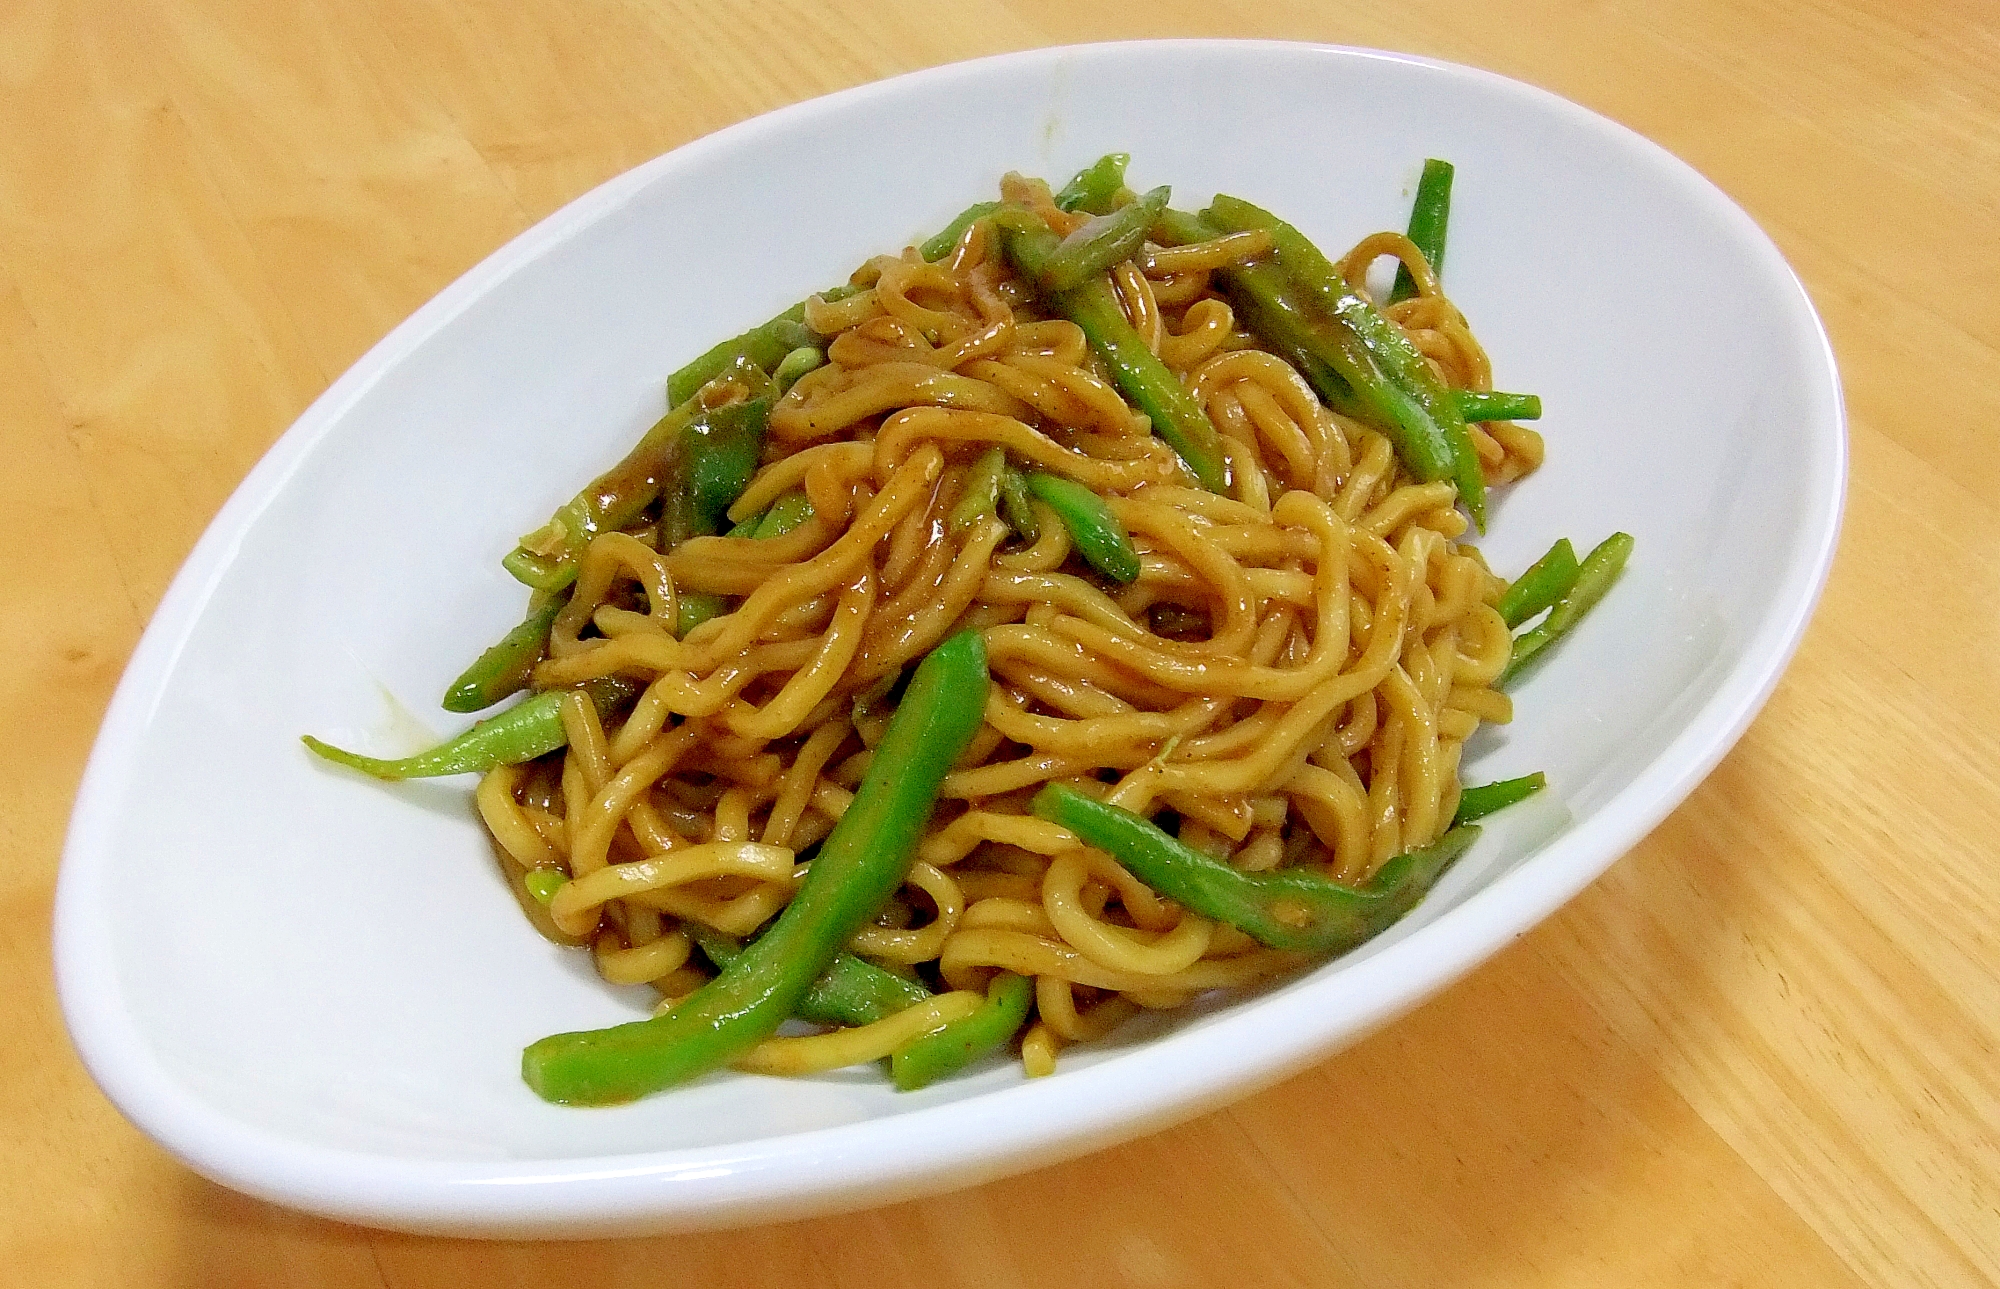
pixel 1764 1050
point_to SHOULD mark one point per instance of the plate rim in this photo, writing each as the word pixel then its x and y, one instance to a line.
pixel 772 1178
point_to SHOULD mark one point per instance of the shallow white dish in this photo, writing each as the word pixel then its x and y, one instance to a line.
pixel 316 990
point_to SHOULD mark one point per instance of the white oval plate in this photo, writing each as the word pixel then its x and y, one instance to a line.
pixel 316 990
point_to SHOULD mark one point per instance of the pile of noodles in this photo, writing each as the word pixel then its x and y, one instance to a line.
pixel 1292 675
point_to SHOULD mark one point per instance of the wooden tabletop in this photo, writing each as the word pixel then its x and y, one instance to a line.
pixel 1763 1050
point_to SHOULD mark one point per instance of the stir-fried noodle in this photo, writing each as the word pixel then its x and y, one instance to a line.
pixel 1292 674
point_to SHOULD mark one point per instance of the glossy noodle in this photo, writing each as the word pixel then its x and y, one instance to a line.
pixel 1290 678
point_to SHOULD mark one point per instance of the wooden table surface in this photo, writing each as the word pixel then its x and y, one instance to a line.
pixel 1764 1050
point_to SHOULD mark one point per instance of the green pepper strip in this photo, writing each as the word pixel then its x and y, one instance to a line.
pixel 1479 802
pixel 1141 376
pixel 547 558
pixel 858 867
pixel 796 364
pixel 504 668
pixel 695 608
pixel 1594 577
pixel 712 462
pixel 543 883
pixel 1492 405
pixel 521 733
pixel 939 244
pixel 1335 364
pixel 1105 241
pixel 1094 189
pixel 1286 908
pixel 1426 409
pixel 612 693
pixel 766 346
pixel 1267 303
pixel 981 494
pixel 1547 580
pixel 1093 529
pixel 1017 506
pixel 785 514
pixel 950 1048
pixel 1430 213
pixel 853 991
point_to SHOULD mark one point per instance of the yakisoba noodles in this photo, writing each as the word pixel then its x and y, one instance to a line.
pixel 1288 682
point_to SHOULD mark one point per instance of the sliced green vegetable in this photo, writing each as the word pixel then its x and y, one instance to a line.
pixel 796 364
pixel 939 244
pixel 980 496
pixel 711 464
pixel 1182 228
pixel 1093 530
pixel 1339 368
pixel 504 669
pixel 543 883
pixel 671 457
pixel 546 559
pixel 1094 189
pixel 530 728
pixel 1286 908
pixel 1547 580
pixel 1594 577
pixel 950 1048
pixel 1017 506
pixel 1477 803
pixel 785 514
pixel 696 607
pixel 764 347
pixel 1105 241
pixel 1395 378
pixel 611 694
pixel 859 866
pixel 1137 372
pixel 1430 213
pixel 853 991
pixel 521 733
pixel 1491 405
pixel 1326 353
